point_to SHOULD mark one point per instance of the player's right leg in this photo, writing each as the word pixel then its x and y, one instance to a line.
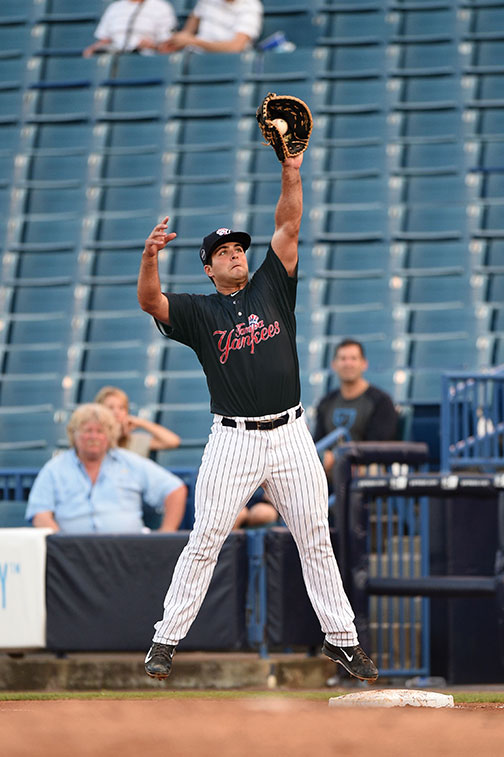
pixel 230 472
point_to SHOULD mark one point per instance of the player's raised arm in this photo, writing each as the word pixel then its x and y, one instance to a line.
pixel 286 124
pixel 150 297
pixel 288 214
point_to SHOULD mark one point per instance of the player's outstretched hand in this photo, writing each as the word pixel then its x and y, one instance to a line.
pixel 158 238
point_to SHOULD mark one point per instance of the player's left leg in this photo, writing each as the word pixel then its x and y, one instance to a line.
pixel 298 488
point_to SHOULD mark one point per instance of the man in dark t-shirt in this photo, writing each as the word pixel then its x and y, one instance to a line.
pixel 364 412
pixel 244 335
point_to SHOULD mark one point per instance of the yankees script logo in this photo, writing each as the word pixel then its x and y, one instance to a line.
pixel 245 336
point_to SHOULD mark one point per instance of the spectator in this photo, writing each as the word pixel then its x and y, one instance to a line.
pixel 97 488
pixel 153 436
pixel 133 26
pixel 366 412
pixel 257 512
pixel 219 26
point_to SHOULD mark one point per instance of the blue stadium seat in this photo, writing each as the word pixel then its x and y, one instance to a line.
pixel 57 200
pixel 429 22
pixel 12 71
pixel 219 130
pixel 436 289
pixel 345 25
pixel 423 55
pixel 60 104
pixel 31 389
pixel 65 68
pixel 194 164
pixel 66 137
pixel 352 159
pixel 110 297
pixel 183 388
pixel 439 187
pixel 46 235
pixel 189 197
pixel 449 353
pixel 11 103
pixel 425 387
pixel 64 167
pixel 432 122
pixel 191 421
pixel 39 327
pixel 128 165
pixel 68 36
pixel 122 233
pixel 363 58
pixel 36 265
pixel 142 135
pixel 296 22
pixel 43 358
pixel 43 298
pixel 141 100
pixel 458 319
pixel 489 122
pixel 434 255
pixel 212 67
pixel 486 53
pixel 360 290
pixel 115 263
pixel 353 221
pixel 486 19
pixel 178 357
pixel 14 38
pixel 142 68
pixel 358 322
pixel 495 288
pixel 112 357
pixel 116 326
pixel 205 99
pixel 139 197
pixel 359 125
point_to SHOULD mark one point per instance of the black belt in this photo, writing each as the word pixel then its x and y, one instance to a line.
pixel 263 425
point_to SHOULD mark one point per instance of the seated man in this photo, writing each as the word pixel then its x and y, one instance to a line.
pixel 219 26
pixel 133 26
pixel 95 487
pixel 366 412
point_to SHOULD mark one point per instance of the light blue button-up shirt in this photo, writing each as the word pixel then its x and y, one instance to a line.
pixel 112 504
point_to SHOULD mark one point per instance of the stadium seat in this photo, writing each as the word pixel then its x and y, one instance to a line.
pixel 140 100
pixel 43 298
pixel 112 357
pixel 132 382
pixel 60 104
pixel 43 358
pixel 116 326
pixel 353 59
pixel 38 327
pixel 64 137
pixel 31 389
pixel 71 37
pixel 178 357
pixel 183 387
pixel 424 23
pixel 347 25
pixel 15 37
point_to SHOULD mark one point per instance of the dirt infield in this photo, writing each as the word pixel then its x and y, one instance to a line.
pixel 243 728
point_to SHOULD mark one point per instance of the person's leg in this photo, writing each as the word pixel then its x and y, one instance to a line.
pixel 232 468
pixel 297 486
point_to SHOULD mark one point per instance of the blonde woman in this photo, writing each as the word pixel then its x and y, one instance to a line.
pixel 95 487
pixel 136 434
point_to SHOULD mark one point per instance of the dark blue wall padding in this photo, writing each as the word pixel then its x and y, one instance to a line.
pixel 105 592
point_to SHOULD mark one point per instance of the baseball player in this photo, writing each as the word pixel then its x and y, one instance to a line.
pixel 244 335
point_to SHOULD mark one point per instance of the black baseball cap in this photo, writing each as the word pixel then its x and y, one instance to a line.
pixel 221 236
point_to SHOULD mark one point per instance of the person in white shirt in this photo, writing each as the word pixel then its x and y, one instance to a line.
pixel 133 25
pixel 219 26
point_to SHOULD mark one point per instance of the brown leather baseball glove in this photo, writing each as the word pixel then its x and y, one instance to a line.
pixel 298 118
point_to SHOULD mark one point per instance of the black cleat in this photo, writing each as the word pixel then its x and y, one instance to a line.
pixel 353 659
pixel 158 660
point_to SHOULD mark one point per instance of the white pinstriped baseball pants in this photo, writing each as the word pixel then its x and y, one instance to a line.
pixel 235 463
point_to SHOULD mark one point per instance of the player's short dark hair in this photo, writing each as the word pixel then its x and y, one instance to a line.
pixel 349 343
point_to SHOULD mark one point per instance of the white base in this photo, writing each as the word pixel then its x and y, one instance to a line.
pixel 393 698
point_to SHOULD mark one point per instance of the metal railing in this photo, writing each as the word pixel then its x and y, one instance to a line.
pixel 472 420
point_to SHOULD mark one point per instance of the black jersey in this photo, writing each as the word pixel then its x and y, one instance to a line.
pixel 245 342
